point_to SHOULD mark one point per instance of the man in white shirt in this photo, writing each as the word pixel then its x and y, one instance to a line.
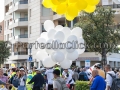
pixel 50 77
pixel 67 75
pixel 109 79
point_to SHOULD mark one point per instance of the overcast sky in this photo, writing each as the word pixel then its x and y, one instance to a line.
pixel 1 10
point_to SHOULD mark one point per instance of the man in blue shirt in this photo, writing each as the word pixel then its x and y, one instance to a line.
pixel 98 82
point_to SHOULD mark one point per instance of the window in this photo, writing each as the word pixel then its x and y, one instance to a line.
pixel 30 30
pixel 43 29
pixel 45 11
pixel 30 13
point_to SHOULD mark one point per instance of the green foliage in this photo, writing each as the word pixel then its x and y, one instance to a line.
pixel 4 51
pixel 99 30
pixel 82 85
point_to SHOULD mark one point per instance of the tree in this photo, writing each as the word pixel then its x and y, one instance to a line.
pixel 4 51
pixel 99 31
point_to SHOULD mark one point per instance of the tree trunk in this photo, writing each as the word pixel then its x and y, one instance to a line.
pixel 104 57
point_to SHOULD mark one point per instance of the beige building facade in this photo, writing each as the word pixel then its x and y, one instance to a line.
pixel 23 23
pixel 2 31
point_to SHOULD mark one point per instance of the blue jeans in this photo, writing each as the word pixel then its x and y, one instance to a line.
pixel 21 87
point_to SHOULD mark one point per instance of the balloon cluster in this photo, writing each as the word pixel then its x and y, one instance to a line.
pixel 60 45
pixel 71 8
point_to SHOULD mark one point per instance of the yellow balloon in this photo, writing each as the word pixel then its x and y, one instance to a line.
pixel 92 2
pixel 90 9
pixel 62 1
pixel 47 3
pixel 55 2
pixel 61 9
pixel 72 10
pixel 72 1
pixel 81 4
pixel 69 18
pixel 54 8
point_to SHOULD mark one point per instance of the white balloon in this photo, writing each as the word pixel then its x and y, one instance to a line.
pixel 66 32
pixel 52 56
pixel 49 49
pixel 81 40
pixel 69 47
pixel 59 35
pixel 58 56
pixel 51 33
pixel 55 44
pixel 41 54
pixel 72 38
pixel 48 62
pixel 80 51
pixel 41 40
pixel 81 48
pixel 77 31
pixel 48 24
pixel 44 35
pixel 66 64
pixel 72 56
pixel 59 27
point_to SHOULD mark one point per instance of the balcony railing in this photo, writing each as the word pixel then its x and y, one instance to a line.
pixel 23 19
pixel 113 6
pixel 23 36
pixel 21 53
pixel 23 2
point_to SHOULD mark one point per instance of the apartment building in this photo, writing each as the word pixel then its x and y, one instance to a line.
pixel 23 24
pixel 2 31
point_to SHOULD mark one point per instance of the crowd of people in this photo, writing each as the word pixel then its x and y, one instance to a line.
pixel 56 78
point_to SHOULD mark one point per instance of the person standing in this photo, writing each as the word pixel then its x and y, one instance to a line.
pixel 109 79
pixel 29 77
pixel 22 79
pixel 75 75
pixel 38 80
pixel 67 75
pixel 3 79
pixel 98 82
pixel 58 82
pixel 50 77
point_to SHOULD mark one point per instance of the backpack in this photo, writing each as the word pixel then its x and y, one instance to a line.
pixel 115 83
pixel 83 76
pixel 15 81
pixel 63 84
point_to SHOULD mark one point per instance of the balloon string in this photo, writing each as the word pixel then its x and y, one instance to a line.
pixel 66 22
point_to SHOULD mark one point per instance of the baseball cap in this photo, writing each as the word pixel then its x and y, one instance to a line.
pixel 22 69
pixel 38 69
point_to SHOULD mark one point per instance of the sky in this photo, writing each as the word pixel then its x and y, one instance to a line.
pixel 1 10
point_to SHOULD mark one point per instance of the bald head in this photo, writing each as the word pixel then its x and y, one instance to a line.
pixel 94 73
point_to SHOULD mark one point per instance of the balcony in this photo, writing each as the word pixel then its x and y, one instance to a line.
pixel 22 55
pixel 7 2
pixel 56 16
pixel 21 6
pixel 20 38
pixel 7 13
pixel 113 6
pixel 20 22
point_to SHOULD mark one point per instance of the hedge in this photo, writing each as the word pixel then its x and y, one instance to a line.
pixel 82 85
